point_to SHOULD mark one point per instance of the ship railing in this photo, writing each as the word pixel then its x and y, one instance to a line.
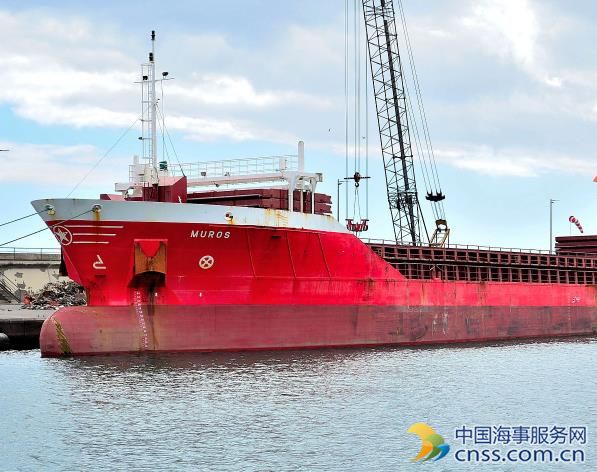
pixel 472 247
pixel 29 254
pixel 236 167
pixel 493 273
pixel 257 167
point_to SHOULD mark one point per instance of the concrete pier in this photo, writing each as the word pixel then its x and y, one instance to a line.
pixel 22 326
pixel 26 270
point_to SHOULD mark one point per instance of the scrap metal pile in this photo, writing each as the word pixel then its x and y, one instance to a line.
pixel 56 295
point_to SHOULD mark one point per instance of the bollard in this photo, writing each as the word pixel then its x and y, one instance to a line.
pixel 4 342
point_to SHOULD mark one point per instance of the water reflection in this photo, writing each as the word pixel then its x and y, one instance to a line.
pixel 303 359
pixel 341 409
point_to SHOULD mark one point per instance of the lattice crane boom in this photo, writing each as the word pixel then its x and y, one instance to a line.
pixel 392 119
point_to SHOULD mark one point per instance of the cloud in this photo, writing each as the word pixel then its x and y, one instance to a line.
pixel 64 71
pixel 493 161
pixel 214 89
pixel 50 163
pixel 199 129
pixel 511 29
pixel 507 27
pixel 67 70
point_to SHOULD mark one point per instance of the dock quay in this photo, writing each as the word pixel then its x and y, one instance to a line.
pixel 26 270
pixel 20 327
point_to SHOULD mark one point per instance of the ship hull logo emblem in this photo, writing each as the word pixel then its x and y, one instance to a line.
pixel 63 235
pixel 206 262
pixel 99 263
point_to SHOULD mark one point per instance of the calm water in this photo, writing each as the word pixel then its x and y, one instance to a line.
pixel 332 410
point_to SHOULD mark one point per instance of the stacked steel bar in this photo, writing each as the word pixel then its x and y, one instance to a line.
pixel 576 244
pixel 276 199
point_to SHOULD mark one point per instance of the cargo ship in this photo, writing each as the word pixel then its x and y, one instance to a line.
pixel 184 276
pixel 245 255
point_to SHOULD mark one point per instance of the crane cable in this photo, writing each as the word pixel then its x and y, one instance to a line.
pixel 430 155
pixel 418 94
pixel 361 53
pixel 346 107
pixel 355 79
pixel 424 153
pixel 366 48
pixel 420 152
pixel 356 207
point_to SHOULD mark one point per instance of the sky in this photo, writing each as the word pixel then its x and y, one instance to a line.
pixel 509 87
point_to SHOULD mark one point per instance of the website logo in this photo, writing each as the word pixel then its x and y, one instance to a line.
pixel 433 445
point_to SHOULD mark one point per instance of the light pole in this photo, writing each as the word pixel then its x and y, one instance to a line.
pixel 340 182
pixel 551 202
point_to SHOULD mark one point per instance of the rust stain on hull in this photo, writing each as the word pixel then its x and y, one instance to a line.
pixel 64 345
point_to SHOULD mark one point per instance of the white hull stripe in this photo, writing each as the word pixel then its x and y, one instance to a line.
pixel 94 226
pixel 90 242
pixel 157 212
pixel 94 234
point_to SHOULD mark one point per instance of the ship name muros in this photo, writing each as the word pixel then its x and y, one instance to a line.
pixel 205 234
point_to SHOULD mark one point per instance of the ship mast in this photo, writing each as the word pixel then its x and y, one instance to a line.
pixel 149 106
pixel 154 105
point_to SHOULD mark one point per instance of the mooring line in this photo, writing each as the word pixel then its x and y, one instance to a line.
pixel 46 228
pixel 24 217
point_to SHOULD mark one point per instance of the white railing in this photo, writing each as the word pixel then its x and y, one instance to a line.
pixel 236 167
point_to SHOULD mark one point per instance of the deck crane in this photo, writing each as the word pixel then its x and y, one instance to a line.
pixel 393 123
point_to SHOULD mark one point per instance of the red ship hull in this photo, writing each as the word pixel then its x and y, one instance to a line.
pixel 103 330
pixel 185 282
